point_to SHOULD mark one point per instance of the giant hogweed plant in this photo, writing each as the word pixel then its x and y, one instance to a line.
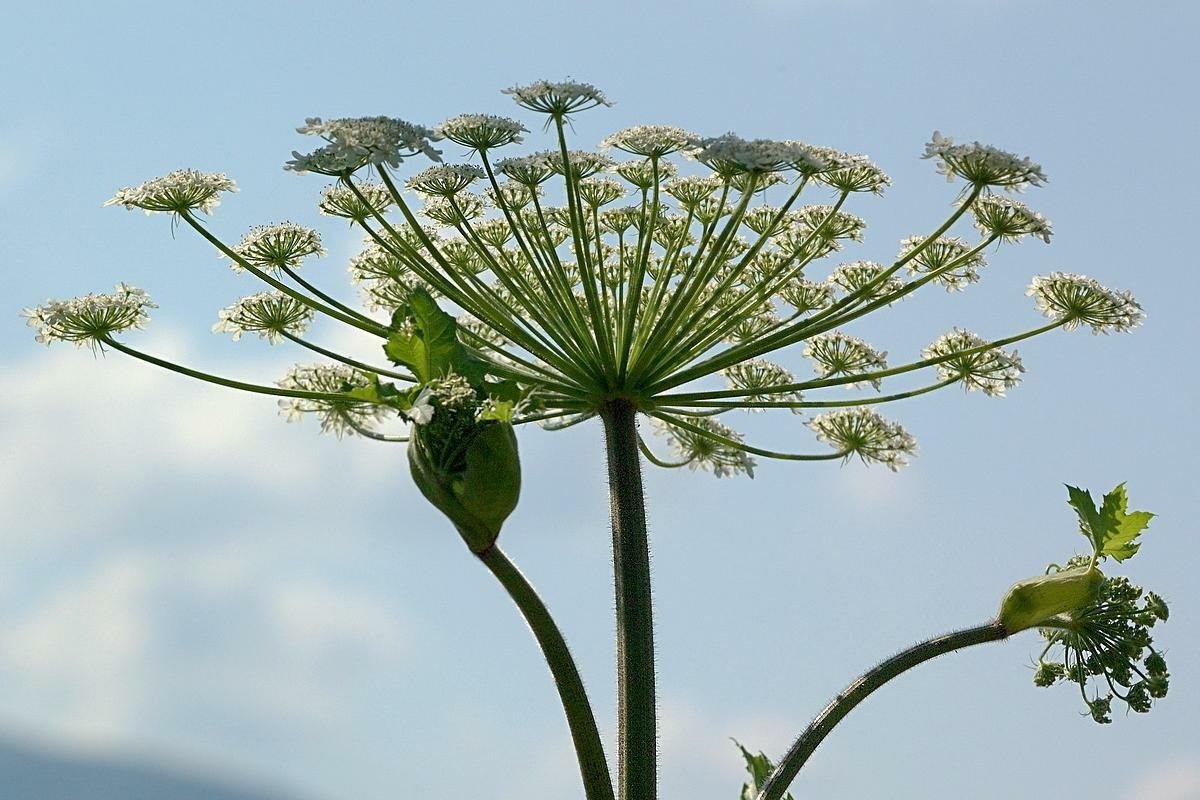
pixel 651 279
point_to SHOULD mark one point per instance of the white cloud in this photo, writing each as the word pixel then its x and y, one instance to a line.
pixel 83 439
pixel 1170 781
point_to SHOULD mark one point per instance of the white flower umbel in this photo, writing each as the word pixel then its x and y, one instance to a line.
pixel 354 143
pixel 642 174
pixel 855 173
pixel 730 155
pixel 651 141
pixel 806 296
pixel 274 247
pixel 704 452
pixel 269 314
pixel 857 276
pixel 596 192
pixel 836 353
pixel 337 416
pixel 1009 219
pixel 90 318
pixel 174 193
pixel 760 376
pixel 481 131
pixel 557 98
pixel 1080 300
pixel 339 200
pixel 983 165
pixel 991 370
pixel 860 431
pixel 445 180
pixel 949 256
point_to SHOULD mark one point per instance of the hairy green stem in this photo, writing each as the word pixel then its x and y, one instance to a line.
pixel 637 758
pixel 858 691
pixel 593 767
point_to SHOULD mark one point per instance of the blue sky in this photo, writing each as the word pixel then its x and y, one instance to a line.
pixel 185 577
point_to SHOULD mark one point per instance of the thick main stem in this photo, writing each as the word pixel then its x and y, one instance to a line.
pixel 858 691
pixel 593 767
pixel 637 759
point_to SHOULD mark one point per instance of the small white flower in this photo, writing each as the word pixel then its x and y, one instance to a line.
pixel 939 254
pixel 356 142
pixel 651 141
pixel 269 314
pixel 983 165
pixel 445 180
pixel 837 353
pixel 338 415
pixel 991 371
pixel 557 98
pixel 174 193
pixel 339 200
pixel 90 318
pixel 1080 300
pixel 759 376
pixel 855 276
pixel 273 247
pixel 422 408
pixel 860 431
pixel 482 131
pixel 1009 219
pixel 704 452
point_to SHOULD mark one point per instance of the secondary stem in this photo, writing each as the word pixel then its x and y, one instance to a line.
pixel 637 761
pixel 858 691
pixel 593 767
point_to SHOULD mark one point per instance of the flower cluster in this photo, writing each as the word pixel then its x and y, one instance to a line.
pixel 1080 300
pixel 339 413
pixel 703 443
pixel 275 247
pixel 861 432
pixel 1008 219
pixel 967 357
pixel 949 259
pixel 92 318
pixel 175 193
pixel 481 131
pixel 272 315
pixel 354 143
pixel 557 98
pixel 983 165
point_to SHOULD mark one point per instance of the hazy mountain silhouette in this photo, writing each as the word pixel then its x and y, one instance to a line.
pixel 28 772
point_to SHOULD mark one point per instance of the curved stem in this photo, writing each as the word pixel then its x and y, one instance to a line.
pixel 315 292
pixel 736 445
pixel 593 767
pixel 658 462
pixel 217 379
pixel 858 691
pixel 637 757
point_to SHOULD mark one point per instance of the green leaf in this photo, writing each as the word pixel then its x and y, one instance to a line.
pixel 1112 529
pixel 382 393
pixel 431 348
pixel 1121 526
pixel 760 768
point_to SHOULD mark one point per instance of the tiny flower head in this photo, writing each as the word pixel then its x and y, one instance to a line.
pixel 856 173
pixel 356 142
pixel 729 155
pixel 557 98
pixel 445 180
pixel 581 163
pixel 175 193
pixel 948 257
pixel 481 131
pixel 527 171
pixel 761 377
pixel 271 315
pixel 705 450
pixel 692 190
pixel 338 415
pixel 806 296
pixel 866 279
pixel 860 431
pixel 990 370
pixel 90 319
pixel 651 141
pixel 339 200
pixel 274 247
pixel 837 353
pixel 1009 219
pixel 598 192
pixel 1080 300
pixel 643 174
pixel 983 165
